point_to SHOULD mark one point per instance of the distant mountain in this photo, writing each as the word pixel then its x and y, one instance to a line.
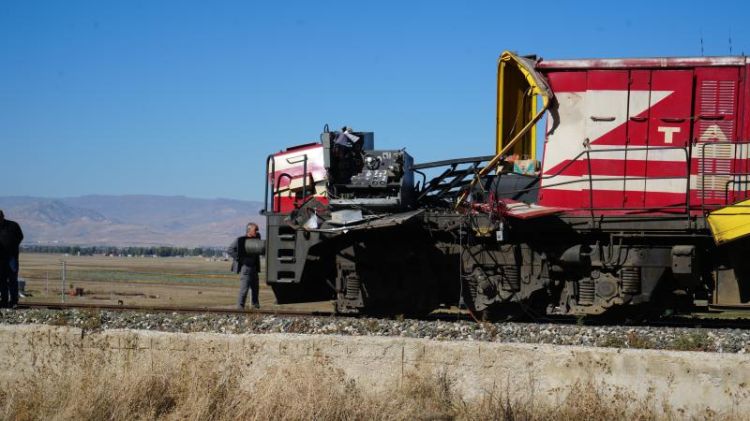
pixel 132 220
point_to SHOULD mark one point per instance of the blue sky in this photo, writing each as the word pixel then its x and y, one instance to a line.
pixel 188 98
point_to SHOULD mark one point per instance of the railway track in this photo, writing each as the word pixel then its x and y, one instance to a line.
pixel 708 320
pixel 170 309
pixel 448 317
pixel 701 332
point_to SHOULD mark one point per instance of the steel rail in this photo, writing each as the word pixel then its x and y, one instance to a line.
pixel 697 319
pixel 169 309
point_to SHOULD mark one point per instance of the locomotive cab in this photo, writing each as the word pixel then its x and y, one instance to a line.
pixel 321 191
pixel 522 98
pixel 359 175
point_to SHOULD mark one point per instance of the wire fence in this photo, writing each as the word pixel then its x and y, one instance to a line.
pixel 191 282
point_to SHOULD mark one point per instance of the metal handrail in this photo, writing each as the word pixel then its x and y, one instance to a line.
pixel 452 162
pixel 304 179
pixel 746 182
pixel 277 202
pixel 591 179
pixel 735 176
pixel 277 182
pixel 588 152
pixel 272 160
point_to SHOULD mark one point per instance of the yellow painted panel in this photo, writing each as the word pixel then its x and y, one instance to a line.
pixel 730 223
pixel 519 88
pixel 500 109
pixel 532 131
pixel 534 84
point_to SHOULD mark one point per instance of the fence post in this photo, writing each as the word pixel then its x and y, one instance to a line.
pixel 62 282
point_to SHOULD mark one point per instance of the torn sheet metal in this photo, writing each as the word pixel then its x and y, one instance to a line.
pixel 522 210
pixel 374 222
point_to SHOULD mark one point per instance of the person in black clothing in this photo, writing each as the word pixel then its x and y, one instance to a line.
pixel 248 266
pixel 346 150
pixel 10 240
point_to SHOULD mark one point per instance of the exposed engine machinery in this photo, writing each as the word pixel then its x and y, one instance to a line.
pixel 637 204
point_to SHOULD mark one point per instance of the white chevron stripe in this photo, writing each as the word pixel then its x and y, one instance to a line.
pixel 574 123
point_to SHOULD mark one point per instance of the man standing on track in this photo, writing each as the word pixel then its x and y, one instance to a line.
pixel 247 266
pixel 10 240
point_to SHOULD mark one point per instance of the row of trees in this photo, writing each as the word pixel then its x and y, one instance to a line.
pixel 161 251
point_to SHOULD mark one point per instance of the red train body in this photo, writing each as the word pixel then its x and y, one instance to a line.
pixel 647 135
pixel 612 214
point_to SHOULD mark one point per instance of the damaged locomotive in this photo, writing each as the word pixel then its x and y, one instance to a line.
pixel 635 201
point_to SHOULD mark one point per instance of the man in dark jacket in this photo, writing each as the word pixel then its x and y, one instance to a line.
pixel 247 266
pixel 10 240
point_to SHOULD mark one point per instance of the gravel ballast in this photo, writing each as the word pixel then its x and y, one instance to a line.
pixel 648 337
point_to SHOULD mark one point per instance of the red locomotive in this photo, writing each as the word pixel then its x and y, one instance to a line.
pixel 635 203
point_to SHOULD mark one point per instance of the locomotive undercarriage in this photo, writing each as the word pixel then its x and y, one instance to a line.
pixel 442 259
pixel 379 272
pixel 548 268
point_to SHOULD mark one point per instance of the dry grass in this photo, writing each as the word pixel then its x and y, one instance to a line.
pixel 190 389
pixel 189 281
pixel 695 341
pixel 137 281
